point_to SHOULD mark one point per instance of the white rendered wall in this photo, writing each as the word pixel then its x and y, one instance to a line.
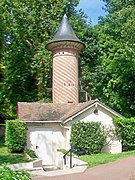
pixel 113 143
pixel 61 135
pixel 58 137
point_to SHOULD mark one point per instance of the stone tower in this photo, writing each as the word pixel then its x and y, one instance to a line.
pixel 65 47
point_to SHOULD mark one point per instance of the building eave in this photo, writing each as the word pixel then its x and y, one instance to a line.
pixel 110 110
pixel 40 121
pixel 95 103
pixel 77 114
pixel 66 43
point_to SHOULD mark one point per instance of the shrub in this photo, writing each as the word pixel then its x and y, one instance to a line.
pixel 125 128
pixel 30 152
pixel 2 140
pixel 88 136
pixel 15 135
pixel 8 174
pixel 64 151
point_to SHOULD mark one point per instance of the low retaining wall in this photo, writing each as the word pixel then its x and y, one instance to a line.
pixel 26 166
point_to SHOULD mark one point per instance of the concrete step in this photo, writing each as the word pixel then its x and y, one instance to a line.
pixel 50 168
pixel 79 169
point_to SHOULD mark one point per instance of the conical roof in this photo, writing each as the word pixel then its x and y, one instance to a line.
pixel 65 36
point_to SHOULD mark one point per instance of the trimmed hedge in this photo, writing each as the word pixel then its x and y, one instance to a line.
pixel 125 128
pixel 88 136
pixel 15 135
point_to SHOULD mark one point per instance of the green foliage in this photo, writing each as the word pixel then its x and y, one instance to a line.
pixel 103 158
pixel 88 62
pixel 2 140
pixel 117 5
pixel 64 151
pixel 8 174
pixel 89 137
pixel 10 158
pixel 15 135
pixel 125 128
pixel 116 67
pixel 30 152
pixel 107 65
pixel 26 64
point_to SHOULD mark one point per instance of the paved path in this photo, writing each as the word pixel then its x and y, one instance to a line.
pixel 123 169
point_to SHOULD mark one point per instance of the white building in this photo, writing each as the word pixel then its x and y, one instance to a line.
pixel 49 124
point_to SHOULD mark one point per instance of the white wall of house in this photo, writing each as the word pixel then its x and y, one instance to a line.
pixel 105 117
pixel 45 139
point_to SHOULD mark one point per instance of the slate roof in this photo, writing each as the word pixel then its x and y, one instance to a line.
pixel 48 111
pixel 65 34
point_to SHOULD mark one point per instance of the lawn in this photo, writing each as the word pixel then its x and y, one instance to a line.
pixel 97 159
pixel 11 158
pixel 92 160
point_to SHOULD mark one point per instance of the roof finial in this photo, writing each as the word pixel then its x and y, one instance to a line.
pixel 65 16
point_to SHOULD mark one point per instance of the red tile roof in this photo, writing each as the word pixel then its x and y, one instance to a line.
pixel 48 111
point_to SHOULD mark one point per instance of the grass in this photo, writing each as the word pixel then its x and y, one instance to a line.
pixel 10 158
pixel 97 159
pixel 92 160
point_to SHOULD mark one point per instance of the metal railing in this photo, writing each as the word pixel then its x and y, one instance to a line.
pixel 72 150
pixel 64 157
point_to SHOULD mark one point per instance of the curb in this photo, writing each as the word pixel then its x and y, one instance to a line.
pixel 77 169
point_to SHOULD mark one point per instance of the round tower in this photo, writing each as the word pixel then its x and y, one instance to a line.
pixel 65 47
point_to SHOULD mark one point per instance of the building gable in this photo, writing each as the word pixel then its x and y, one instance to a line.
pixel 97 110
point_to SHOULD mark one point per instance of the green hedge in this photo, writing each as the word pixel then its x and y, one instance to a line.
pixel 8 174
pixel 125 128
pixel 15 135
pixel 88 136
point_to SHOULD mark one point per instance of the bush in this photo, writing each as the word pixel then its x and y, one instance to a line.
pixel 8 174
pixel 89 137
pixel 2 140
pixel 15 135
pixel 125 128
pixel 30 152
pixel 64 151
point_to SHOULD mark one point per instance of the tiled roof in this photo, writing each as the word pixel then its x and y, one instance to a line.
pixel 48 111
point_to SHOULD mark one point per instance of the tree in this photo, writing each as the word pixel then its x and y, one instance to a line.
pixel 107 64
pixel 116 47
pixel 2 44
pixel 27 65
pixel 89 61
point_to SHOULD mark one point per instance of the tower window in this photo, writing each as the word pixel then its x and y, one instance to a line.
pixel 70 101
pixel 68 84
